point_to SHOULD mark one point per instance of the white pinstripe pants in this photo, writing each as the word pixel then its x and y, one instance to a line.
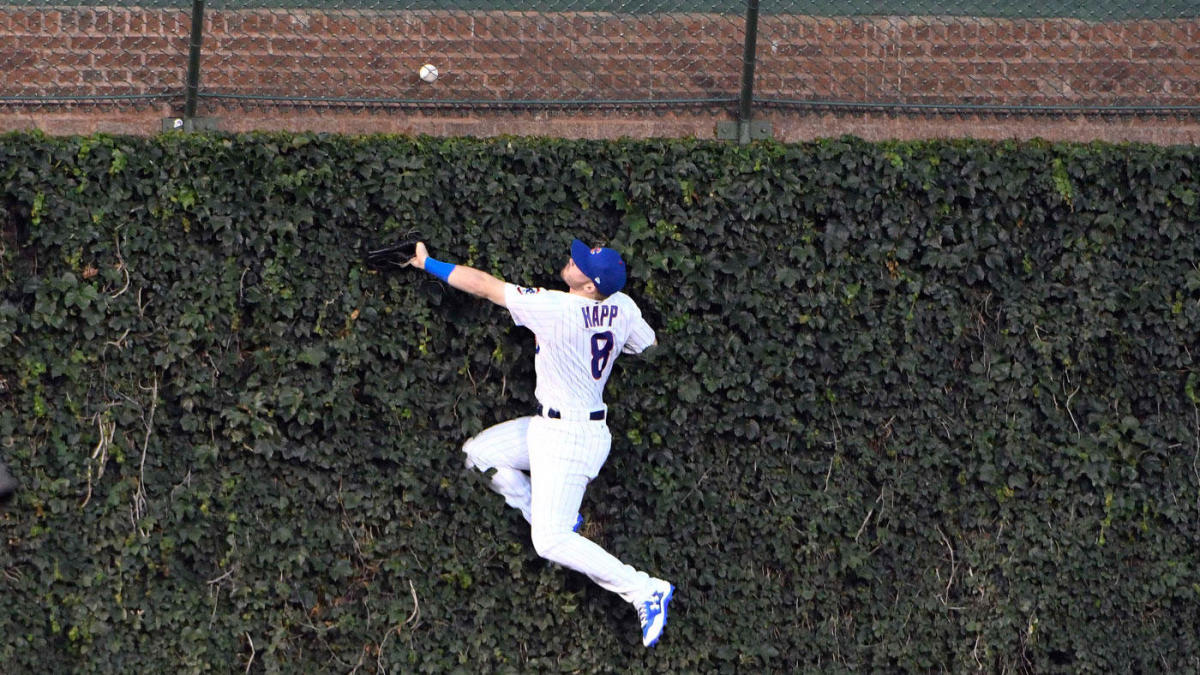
pixel 561 457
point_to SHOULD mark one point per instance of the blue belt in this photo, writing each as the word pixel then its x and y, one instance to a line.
pixel 595 415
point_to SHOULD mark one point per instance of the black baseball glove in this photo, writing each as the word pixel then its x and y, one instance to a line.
pixel 393 256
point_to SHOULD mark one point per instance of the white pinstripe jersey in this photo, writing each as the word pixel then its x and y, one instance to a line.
pixel 578 342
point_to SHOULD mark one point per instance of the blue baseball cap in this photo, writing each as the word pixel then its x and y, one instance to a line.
pixel 603 266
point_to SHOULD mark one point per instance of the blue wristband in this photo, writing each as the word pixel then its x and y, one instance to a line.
pixel 439 269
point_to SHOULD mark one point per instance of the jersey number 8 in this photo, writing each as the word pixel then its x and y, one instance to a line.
pixel 602 346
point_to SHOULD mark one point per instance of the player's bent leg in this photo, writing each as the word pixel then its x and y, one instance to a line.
pixel 649 596
pixel 551 544
pixel 513 485
pixel 563 460
pixel 504 447
pixel 576 552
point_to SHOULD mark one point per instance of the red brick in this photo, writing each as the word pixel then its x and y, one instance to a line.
pixel 118 59
pixel 51 22
pixel 117 21
pixel 987 67
pixel 1107 52
pixel 1154 52
pixel 164 61
pixel 1179 32
pixel 1056 51
pixel 448 26
pixel 954 51
pixel 1004 51
pixel 500 47
pixel 291 45
pixel 19 22
pixel 89 44
pixel 149 23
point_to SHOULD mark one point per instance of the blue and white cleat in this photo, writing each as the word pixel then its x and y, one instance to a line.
pixel 578 523
pixel 653 611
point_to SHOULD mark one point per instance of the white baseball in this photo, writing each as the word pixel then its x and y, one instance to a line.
pixel 429 72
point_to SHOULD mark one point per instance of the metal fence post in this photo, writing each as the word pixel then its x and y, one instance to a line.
pixel 189 121
pixel 745 128
pixel 745 107
pixel 193 71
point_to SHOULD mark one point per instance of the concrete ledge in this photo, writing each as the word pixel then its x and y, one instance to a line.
pixel 787 126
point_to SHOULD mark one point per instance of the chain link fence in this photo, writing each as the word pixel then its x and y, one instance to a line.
pixel 1108 56
pixel 60 55
pixel 1026 55
pixel 570 53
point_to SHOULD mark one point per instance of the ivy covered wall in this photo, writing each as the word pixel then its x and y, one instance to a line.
pixel 917 406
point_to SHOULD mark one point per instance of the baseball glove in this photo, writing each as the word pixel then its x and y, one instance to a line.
pixel 394 256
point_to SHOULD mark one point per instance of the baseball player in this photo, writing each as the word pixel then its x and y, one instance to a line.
pixel 579 334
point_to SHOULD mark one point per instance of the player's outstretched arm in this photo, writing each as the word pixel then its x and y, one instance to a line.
pixel 469 279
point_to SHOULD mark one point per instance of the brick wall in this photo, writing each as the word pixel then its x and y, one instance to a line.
pixel 92 51
pixel 503 56
pixel 955 60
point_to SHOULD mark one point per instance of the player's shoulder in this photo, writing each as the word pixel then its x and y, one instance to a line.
pixel 623 301
pixel 528 290
pixel 536 295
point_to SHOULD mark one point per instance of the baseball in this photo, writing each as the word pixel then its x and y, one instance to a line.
pixel 429 72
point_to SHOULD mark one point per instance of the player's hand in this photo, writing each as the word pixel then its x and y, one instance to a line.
pixel 422 253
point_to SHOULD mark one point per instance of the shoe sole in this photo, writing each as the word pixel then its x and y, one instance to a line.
pixel 665 601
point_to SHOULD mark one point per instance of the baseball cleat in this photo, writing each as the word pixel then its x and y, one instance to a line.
pixel 652 611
